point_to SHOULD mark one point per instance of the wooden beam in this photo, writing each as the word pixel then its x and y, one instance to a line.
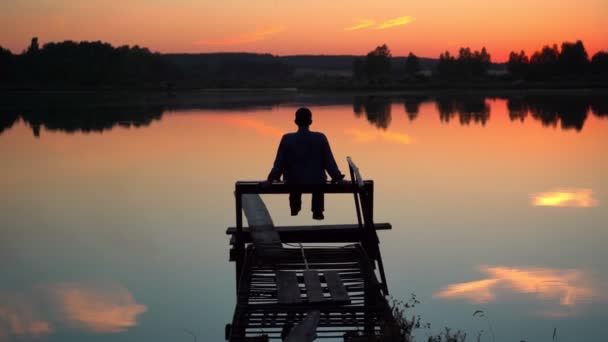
pixel 261 187
pixel 316 229
pixel 322 233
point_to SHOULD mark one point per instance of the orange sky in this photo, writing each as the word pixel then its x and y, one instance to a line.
pixel 309 27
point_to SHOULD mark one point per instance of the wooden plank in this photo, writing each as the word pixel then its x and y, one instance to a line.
pixel 261 227
pixel 336 287
pixel 256 212
pixel 260 187
pixel 305 331
pixel 288 291
pixel 313 286
pixel 327 233
pixel 358 179
pixel 317 228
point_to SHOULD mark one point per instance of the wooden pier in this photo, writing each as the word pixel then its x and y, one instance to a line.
pixel 298 292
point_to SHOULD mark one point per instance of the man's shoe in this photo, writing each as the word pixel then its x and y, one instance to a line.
pixel 318 216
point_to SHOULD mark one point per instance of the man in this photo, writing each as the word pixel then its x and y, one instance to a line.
pixel 302 158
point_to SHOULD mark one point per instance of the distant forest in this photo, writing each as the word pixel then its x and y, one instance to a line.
pixel 98 64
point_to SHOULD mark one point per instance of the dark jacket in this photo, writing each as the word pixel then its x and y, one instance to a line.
pixel 303 157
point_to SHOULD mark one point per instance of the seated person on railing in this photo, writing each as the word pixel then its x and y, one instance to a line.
pixel 302 158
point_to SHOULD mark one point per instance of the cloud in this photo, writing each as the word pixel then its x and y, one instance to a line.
pixel 400 21
pixel 103 309
pixel 568 287
pixel 244 38
pixel 20 319
pixel 361 24
pixel 479 291
pixel 369 136
pixel 582 198
pixel 370 23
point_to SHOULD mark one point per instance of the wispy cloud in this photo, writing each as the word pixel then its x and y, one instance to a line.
pixel 369 136
pixel 371 23
pixel 569 287
pixel 400 21
pixel 361 24
pixel 20 319
pixel 110 308
pixel 248 37
pixel 581 198
pixel 99 308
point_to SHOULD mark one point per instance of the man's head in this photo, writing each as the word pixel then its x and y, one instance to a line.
pixel 303 117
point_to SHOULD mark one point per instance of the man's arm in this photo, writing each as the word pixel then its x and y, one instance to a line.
pixel 329 163
pixel 279 163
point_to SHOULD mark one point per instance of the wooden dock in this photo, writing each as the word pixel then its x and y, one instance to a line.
pixel 300 293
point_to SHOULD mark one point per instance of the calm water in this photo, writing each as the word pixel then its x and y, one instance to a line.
pixel 112 216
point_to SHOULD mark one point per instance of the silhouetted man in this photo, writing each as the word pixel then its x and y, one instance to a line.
pixel 302 158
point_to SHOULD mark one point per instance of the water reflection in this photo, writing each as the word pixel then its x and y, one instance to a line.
pixel 365 136
pixel 570 112
pixel 97 113
pixel 377 109
pixel 108 308
pixel 249 123
pixel 102 309
pixel 468 108
pixel 412 105
pixel 569 287
pixel 20 319
pixel 582 198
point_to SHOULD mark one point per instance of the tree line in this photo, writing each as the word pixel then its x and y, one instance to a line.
pixel 547 64
pixel 98 63
pixel 101 64
pixel 571 61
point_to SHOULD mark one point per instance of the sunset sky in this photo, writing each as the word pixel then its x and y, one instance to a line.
pixel 309 27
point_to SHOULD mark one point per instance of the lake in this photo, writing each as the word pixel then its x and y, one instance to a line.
pixel 114 207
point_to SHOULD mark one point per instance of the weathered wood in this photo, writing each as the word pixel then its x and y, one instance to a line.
pixel 260 187
pixel 305 331
pixel 314 291
pixel 259 312
pixel 288 290
pixel 315 229
pixel 324 233
pixel 255 211
pixel 358 179
pixel 336 287
pixel 261 228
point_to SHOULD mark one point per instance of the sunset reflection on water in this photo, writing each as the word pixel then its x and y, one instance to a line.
pixel 582 198
pixel 105 308
pixel 457 192
pixel 566 287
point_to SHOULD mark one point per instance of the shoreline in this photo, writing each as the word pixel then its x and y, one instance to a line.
pixel 392 89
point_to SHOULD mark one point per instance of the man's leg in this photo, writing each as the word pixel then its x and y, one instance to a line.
pixel 318 205
pixel 295 202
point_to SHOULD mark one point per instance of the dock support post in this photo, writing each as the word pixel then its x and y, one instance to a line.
pixel 239 244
